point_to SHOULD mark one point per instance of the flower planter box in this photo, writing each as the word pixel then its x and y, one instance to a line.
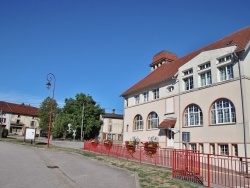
pixel 150 151
pixel 130 149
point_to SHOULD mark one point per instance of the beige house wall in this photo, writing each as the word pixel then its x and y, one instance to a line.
pixel 204 97
pixel 111 126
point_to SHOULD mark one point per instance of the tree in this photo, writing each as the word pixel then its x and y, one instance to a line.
pixel 44 113
pixel 72 113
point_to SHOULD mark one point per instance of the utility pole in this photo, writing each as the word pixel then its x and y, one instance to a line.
pixel 82 135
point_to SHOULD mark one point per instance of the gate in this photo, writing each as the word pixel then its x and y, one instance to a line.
pixel 186 166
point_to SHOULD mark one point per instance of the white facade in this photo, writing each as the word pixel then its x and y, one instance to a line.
pixel 203 98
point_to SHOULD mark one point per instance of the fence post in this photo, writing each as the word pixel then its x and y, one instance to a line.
pixel 140 154
pixel 173 163
pixel 208 170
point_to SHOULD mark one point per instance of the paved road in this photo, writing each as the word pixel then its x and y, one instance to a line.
pixel 28 167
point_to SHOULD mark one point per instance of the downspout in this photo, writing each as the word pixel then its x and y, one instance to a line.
pixel 237 59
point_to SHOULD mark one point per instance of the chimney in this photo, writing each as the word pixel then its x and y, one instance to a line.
pixel 161 58
pixel 113 111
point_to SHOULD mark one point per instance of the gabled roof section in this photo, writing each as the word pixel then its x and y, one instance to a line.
pixel 20 109
pixel 165 72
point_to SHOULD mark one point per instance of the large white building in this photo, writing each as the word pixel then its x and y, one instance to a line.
pixel 17 117
pixel 200 101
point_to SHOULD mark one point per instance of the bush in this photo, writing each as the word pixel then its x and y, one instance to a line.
pixel 5 133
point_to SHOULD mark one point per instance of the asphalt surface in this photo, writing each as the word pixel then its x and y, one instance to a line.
pixel 25 167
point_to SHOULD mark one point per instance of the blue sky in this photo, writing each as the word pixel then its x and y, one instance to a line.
pixel 101 48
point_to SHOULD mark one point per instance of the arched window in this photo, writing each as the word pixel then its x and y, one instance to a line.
pixel 193 115
pixel 223 112
pixel 153 120
pixel 138 122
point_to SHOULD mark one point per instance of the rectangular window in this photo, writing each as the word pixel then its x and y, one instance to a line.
pixel 190 71
pixel 126 102
pixel 226 72
pixel 189 83
pixel 137 99
pixel 212 149
pixel 119 137
pixel 110 128
pixel 201 148
pixel 205 66
pixel 235 149
pixel 205 78
pixel 224 149
pixel 2 120
pixel 193 147
pixel 32 123
pixel 224 59
pixel 145 95
pixel 156 93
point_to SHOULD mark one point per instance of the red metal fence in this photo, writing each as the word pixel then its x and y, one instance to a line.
pixel 210 170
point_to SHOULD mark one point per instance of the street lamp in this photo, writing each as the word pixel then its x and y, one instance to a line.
pixel 50 77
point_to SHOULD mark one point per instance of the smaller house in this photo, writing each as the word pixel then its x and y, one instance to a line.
pixel 17 117
pixel 112 127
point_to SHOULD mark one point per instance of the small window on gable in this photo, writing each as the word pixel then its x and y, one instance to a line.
pixel 224 59
pixel 170 89
pixel 187 72
pixel 204 66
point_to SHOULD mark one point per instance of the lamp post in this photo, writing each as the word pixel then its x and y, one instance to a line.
pixel 50 77
pixel 82 135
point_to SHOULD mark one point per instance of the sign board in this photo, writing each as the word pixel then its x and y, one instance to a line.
pixel 185 136
pixel 30 134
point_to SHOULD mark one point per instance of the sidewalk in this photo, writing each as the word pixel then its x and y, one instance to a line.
pixel 41 167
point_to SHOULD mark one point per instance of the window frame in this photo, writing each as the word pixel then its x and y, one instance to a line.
pixel 222 110
pixel 188 83
pixel 226 72
pixel 156 93
pixel 207 80
pixel 146 96
pixel 224 149
pixel 137 99
pixel 138 123
pixel 153 121
pixel 204 66
pixel 193 116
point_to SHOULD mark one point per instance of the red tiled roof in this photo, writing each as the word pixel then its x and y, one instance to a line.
pixel 165 72
pixel 167 123
pixel 21 109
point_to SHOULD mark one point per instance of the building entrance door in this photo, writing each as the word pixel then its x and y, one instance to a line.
pixel 170 138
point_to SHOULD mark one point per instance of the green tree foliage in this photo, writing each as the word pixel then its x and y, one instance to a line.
pixel 44 113
pixel 83 107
